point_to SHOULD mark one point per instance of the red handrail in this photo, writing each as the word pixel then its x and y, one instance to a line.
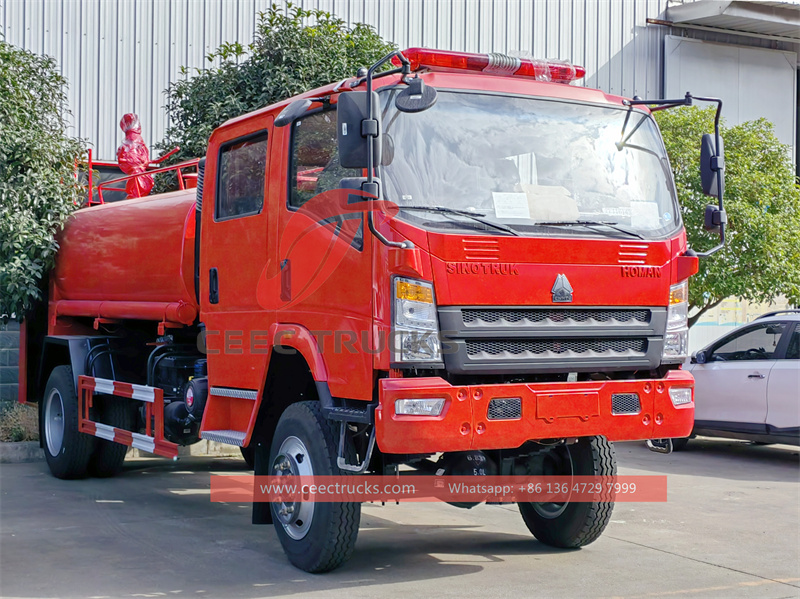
pixel 178 168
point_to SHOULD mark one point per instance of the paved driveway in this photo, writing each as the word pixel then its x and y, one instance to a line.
pixel 731 528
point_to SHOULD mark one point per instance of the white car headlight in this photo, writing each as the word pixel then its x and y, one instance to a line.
pixel 415 326
pixel 676 340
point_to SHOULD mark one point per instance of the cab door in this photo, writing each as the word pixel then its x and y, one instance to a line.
pixel 234 255
pixel 325 257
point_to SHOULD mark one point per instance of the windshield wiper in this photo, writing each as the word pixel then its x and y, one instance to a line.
pixel 476 216
pixel 589 224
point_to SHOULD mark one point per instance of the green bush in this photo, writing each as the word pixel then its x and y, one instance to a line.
pixel 293 52
pixel 761 259
pixel 18 422
pixel 38 189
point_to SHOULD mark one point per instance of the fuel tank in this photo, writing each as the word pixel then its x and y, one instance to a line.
pixel 129 260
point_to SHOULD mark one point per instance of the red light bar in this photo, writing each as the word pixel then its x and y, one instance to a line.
pixel 491 64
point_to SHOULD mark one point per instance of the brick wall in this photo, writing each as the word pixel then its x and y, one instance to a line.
pixel 9 361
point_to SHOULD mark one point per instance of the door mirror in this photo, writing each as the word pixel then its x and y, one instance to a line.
pixel 712 165
pixel 293 111
pixel 354 129
pixel 699 357
pixel 713 218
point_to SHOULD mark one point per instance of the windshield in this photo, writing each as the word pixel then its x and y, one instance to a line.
pixel 537 167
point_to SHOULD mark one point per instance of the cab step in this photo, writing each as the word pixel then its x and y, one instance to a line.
pixel 356 415
pixel 228 437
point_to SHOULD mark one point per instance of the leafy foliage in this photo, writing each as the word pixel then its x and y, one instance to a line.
pixel 761 259
pixel 287 57
pixel 38 189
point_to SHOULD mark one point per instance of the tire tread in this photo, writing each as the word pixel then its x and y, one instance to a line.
pixel 74 462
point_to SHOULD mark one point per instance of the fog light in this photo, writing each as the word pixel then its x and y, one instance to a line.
pixel 680 395
pixel 419 407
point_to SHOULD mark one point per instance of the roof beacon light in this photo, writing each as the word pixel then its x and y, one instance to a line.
pixel 491 64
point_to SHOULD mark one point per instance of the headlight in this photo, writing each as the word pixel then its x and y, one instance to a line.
pixel 676 341
pixel 419 407
pixel 415 330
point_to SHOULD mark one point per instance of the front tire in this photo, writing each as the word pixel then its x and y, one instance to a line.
pixel 316 537
pixel 66 450
pixel 571 524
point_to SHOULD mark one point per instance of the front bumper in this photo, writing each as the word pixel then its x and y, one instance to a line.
pixel 549 411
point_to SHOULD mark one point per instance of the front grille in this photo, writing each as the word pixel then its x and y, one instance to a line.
pixel 506 408
pixel 601 346
pixel 552 339
pixel 625 403
pixel 478 317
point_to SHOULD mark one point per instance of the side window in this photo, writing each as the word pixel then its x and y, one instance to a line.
pixel 242 173
pixel 315 159
pixel 757 343
pixel 793 349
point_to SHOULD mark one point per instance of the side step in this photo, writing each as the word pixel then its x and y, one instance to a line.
pixel 227 437
pixel 153 441
pixel 349 414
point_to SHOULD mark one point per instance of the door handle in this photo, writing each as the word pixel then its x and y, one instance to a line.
pixel 755 376
pixel 213 286
pixel 286 280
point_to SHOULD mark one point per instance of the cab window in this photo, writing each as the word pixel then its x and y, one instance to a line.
pixel 242 173
pixel 315 160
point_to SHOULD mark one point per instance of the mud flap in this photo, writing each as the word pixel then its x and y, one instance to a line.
pixel 261 509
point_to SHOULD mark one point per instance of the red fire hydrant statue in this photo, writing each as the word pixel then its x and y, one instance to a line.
pixel 133 157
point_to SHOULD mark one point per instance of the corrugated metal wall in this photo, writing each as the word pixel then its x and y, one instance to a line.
pixel 120 55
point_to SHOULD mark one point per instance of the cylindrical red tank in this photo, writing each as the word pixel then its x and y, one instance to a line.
pixel 129 260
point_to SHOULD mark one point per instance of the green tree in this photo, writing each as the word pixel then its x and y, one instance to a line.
pixel 38 189
pixel 761 259
pixel 293 51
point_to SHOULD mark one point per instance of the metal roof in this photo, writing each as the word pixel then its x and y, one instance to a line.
pixel 765 18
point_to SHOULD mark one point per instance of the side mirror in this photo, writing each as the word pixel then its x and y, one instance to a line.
pixel 699 357
pixel 293 111
pixel 713 218
pixel 354 129
pixel 712 165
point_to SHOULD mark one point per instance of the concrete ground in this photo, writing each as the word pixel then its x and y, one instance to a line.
pixel 731 528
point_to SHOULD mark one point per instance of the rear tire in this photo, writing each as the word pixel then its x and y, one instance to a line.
pixel 108 456
pixel 316 537
pixel 571 524
pixel 66 450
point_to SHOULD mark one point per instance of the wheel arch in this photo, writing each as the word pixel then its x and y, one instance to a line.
pixel 289 379
pixel 61 350
pixel 70 350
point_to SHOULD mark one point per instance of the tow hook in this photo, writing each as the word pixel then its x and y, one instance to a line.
pixel 660 445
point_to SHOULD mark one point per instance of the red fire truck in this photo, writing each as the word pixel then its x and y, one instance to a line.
pixel 458 263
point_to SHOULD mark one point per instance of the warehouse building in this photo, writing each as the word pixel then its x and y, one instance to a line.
pixel 120 56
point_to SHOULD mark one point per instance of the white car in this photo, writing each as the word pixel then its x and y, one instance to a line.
pixel 747 383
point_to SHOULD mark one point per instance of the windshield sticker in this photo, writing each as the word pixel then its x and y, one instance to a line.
pixel 621 211
pixel 645 215
pixel 511 205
